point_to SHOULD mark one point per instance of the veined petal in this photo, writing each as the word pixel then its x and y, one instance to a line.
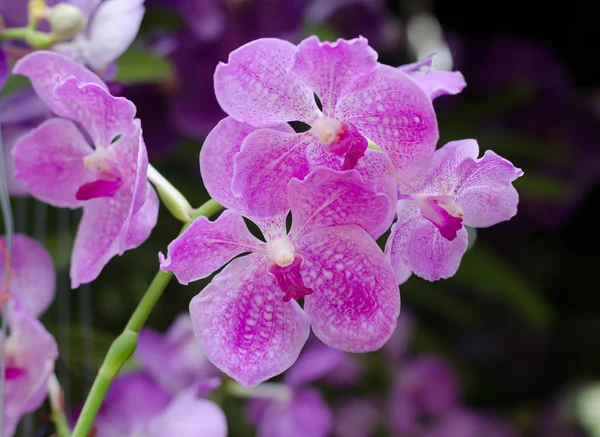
pixel 267 161
pixel 484 190
pixel 417 245
pixel 378 168
pixel 49 162
pixel 205 246
pixel 104 44
pixel 332 198
pixel 33 279
pixel 356 301
pixel 32 350
pixel 217 161
pixel 103 115
pixel 434 83
pixel 329 69
pixel 45 69
pixel 389 108
pixel 188 415
pixel 243 325
pixel 256 86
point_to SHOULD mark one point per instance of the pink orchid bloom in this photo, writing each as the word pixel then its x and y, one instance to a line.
pixel 57 164
pixel 248 320
pixel 434 83
pixel 437 198
pixel 268 82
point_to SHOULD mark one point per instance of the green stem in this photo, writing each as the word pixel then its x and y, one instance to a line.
pixel 124 345
pixel 56 396
pixel 60 423
pixel 36 39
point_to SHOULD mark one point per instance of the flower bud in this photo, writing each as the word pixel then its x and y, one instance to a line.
pixel 67 21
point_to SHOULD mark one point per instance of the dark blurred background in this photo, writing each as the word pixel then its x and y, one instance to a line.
pixel 520 322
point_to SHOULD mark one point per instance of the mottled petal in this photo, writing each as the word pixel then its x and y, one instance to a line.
pixel 189 416
pixel 217 158
pixel 144 220
pixel 103 115
pixel 32 350
pixel 434 83
pixel 49 162
pixel 306 414
pixel 417 245
pixel 205 246
pixel 33 279
pixel 356 300
pixel 390 109
pixel 378 168
pixel 244 326
pixel 485 191
pixel 330 198
pixel 329 69
pixel 104 44
pixel 42 67
pixel 268 160
pixel 256 86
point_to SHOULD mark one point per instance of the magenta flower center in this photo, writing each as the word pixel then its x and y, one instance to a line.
pixel 340 139
pixel 107 174
pixel 286 265
pixel 443 212
pixel 13 372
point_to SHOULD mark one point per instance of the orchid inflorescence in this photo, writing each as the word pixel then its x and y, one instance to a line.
pixel 364 163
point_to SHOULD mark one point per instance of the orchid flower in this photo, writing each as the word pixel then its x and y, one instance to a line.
pixel 57 164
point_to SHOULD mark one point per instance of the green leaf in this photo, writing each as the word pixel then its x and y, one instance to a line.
pixel 15 82
pixel 484 272
pixel 136 67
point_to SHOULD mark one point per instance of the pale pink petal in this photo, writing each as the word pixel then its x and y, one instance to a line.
pixel 217 158
pixel 330 198
pixel 485 192
pixel 104 43
pixel 378 168
pixel 31 352
pixel 49 162
pixel 104 228
pixel 417 245
pixel 33 279
pixel 103 116
pixel 45 69
pixel 356 301
pixel 206 246
pixel 268 160
pixel 188 415
pixel 389 108
pixel 244 326
pixel 329 69
pixel 256 86
pixel 434 83
pixel 144 220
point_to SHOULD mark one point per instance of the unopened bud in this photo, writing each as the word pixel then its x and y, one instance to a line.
pixel 67 21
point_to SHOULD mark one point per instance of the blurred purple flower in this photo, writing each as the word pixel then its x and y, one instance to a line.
pixel 357 417
pixel 175 359
pixel 58 165
pixel 465 423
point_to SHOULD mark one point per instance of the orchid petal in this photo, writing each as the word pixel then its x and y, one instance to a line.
pixel 256 86
pixel 33 279
pixel 314 363
pixel 417 245
pixel 217 161
pixel 390 109
pixel 49 162
pixel 206 246
pixel 103 115
pixel 356 300
pixel 329 69
pixel 143 220
pixel 378 168
pixel 268 160
pixel 434 83
pixel 244 327
pixel 331 198
pixel 42 68
pixel 4 69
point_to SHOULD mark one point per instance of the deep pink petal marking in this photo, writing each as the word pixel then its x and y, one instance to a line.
pixel 447 224
pixel 12 372
pixel 290 280
pixel 99 188
pixel 349 144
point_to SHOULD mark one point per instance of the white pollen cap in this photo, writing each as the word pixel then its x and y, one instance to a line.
pixel 281 251
pixel 326 129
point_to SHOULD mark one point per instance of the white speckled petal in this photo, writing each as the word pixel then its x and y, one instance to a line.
pixel 256 86
pixel 243 325
pixel 356 301
pixel 206 246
